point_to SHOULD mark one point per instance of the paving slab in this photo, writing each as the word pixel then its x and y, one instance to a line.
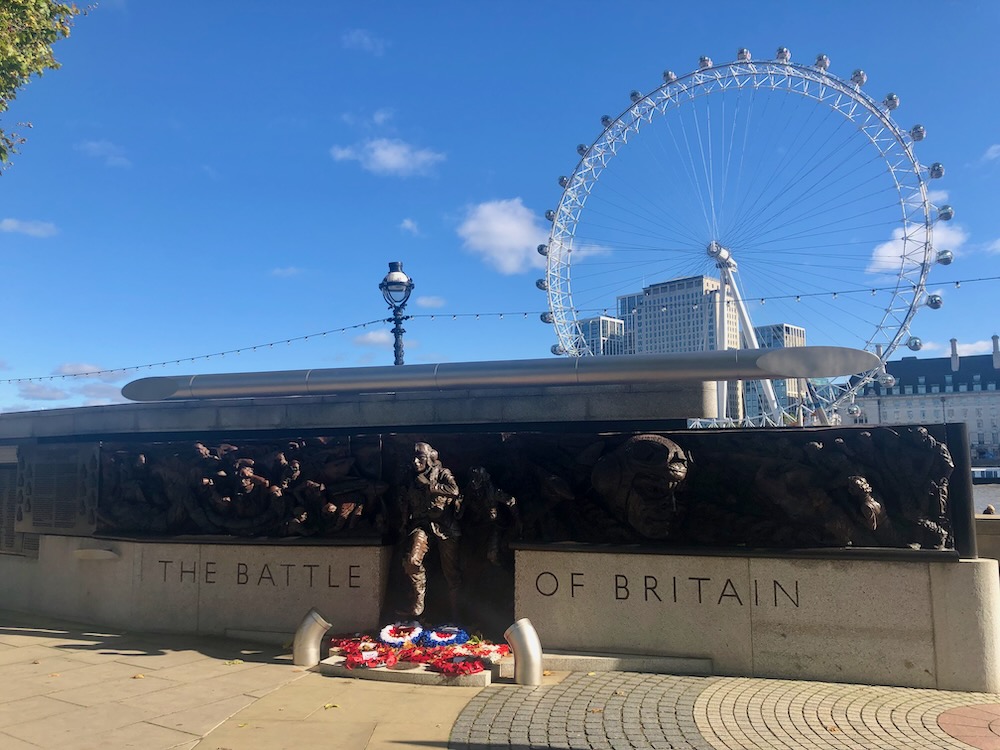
pixel 210 693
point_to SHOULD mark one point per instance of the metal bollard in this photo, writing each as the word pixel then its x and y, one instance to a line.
pixel 527 651
pixel 306 646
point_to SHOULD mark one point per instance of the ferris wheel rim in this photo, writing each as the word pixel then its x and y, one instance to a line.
pixel 841 96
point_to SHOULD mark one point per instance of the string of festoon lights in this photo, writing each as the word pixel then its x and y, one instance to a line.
pixel 517 315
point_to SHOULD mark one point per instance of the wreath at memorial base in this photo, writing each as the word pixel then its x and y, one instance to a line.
pixel 447 649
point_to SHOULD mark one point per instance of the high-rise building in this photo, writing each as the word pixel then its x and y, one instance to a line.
pixel 681 315
pixel 677 316
pixel 603 335
pixel 787 392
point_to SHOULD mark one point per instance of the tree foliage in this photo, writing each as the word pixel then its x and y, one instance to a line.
pixel 28 29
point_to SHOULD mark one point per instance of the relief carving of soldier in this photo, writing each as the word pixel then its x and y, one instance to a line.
pixel 432 514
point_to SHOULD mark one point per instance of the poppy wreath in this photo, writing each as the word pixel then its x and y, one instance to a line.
pixel 378 655
pixel 454 666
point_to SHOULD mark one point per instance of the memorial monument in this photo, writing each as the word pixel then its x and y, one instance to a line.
pixel 572 495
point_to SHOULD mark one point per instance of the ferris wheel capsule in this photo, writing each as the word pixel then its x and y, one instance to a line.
pixel 542 285
pixel 563 181
pixel 783 55
pixel 543 250
pixel 944 257
pixel 934 301
pixel 669 76
pixel 606 121
pixel 550 215
pixel 859 77
pixel 704 62
pixel 936 170
pixel 918 132
pixel 546 317
pixel 854 410
pixel 558 349
pixel 886 380
pixel 891 102
pixel 914 344
pixel 946 213
pixel 581 149
pixel 822 62
pixel 743 55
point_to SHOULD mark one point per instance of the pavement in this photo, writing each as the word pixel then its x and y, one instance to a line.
pixel 70 686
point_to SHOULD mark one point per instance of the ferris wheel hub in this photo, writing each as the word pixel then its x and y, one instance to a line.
pixel 722 255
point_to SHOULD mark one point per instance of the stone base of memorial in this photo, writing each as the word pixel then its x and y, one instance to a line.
pixel 923 619
pixel 235 588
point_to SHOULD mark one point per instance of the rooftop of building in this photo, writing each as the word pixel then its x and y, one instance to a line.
pixel 938 374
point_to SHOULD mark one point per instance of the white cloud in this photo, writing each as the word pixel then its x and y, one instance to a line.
pixel 389 156
pixel 887 258
pixel 378 338
pixel 993 247
pixel 992 153
pixel 85 369
pixel 950 237
pixel 976 347
pixel 409 225
pixel 101 393
pixel 41 392
pixel 76 368
pixel 363 41
pixel 937 197
pixel 505 235
pixel 113 156
pixel 589 251
pixel 286 272
pixel 30 228
pixel 431 302
pixel 378 118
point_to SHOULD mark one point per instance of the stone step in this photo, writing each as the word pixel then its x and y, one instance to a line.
pixel 416 675
pixel 576 662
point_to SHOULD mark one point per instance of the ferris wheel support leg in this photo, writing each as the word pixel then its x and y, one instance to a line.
pixel 721 386
pixel 750 338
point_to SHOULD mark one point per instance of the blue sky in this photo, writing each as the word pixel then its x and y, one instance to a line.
pixel 210 177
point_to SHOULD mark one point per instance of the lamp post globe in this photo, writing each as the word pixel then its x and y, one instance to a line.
pixel 396 288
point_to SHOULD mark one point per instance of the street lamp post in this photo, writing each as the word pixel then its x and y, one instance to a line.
pixel 396 288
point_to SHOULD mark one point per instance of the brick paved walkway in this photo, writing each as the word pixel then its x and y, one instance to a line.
pixel 608 711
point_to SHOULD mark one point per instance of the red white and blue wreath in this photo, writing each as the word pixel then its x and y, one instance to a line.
pixel 399 633
pixel 444 635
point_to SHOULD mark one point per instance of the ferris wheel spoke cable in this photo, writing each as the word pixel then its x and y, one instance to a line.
pixel 754 191
pixel 825 207
pixel 770 212
pixel 825 181
pixel 656 220
pixel 707 167
pixel 786 156
pixel 689 167
pixel 768 243
pixel 761 201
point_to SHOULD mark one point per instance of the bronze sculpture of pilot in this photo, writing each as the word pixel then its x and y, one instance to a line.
pixel 433 509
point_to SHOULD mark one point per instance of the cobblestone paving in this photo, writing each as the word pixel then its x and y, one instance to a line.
pixel 623 710
pixel 602 711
